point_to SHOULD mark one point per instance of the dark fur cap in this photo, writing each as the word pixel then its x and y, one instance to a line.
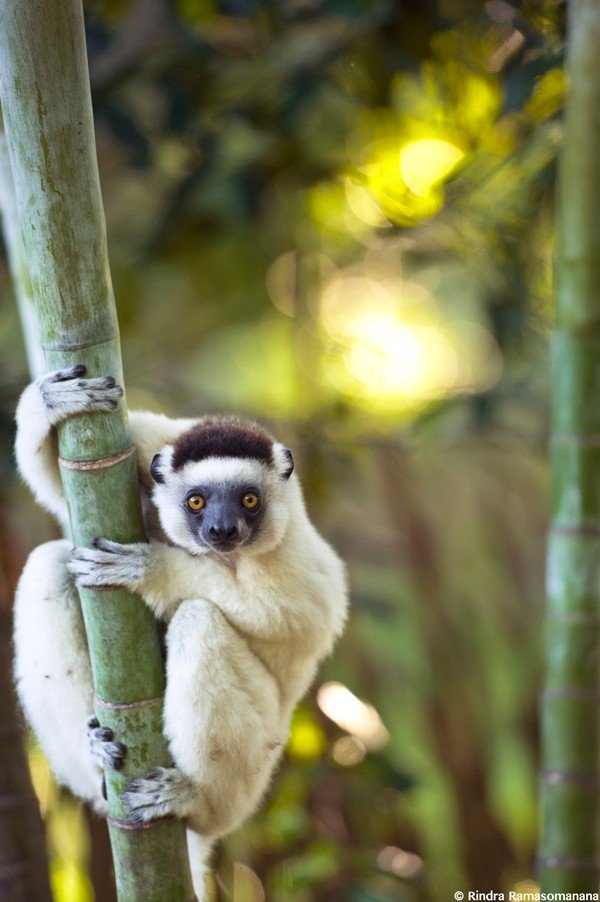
pixel 222 438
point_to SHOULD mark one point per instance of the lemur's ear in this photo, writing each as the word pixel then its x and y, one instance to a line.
pixel 283 460
pixel 289 469
pixel 155 470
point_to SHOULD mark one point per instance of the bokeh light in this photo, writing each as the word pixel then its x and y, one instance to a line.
pixel 353 715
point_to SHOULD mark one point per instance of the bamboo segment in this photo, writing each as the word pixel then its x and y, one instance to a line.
pixel 44 90
pixel 18 268
pixel 570 845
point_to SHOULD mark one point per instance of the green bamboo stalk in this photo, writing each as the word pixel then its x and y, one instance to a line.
pixel 101 859
pixel 18 267
pixel 23 858
pixel 45 96
pixel 570 853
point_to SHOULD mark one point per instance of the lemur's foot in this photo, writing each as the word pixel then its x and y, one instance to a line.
pixel 104 751
pixel 109 564
pixel 164 791
pixel 65 393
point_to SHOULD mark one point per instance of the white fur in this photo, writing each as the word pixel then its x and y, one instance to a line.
pixel 246 633
pixel 167 497
pixel 52 668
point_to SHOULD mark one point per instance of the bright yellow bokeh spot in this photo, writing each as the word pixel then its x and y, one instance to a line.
pixel 404 178
pixel 70 883
pixel 387 346
pixel 307 740
pixel 383 354
pixel 364 207
pixel 425 163
pixel 548 95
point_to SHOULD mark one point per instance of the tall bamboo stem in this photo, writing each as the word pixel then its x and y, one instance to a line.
pixel 45 96
pixel 101 860
pixel 569 855
pixel 18 267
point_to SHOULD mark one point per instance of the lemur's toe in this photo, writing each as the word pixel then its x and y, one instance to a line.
pixel 71 372
pixel 106 752
pixel 112 547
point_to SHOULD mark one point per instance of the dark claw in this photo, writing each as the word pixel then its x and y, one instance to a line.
pixel 109 382
pixel 153 774
pixel 96 542
pixel 104 794
pixel 117 763
pixel 105 734
pixel 93 722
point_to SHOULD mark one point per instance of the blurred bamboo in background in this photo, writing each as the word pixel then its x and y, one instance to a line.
pixel 570 846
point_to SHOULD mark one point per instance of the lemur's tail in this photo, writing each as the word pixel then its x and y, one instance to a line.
pixel 199 849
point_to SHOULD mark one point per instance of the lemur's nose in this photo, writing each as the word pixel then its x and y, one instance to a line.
pixel 224 531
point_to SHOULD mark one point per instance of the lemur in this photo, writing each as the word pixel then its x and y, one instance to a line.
pixel 252 595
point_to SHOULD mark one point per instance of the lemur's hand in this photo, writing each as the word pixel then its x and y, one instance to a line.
pixel 110 564
pixel 65 393
pixel 104 750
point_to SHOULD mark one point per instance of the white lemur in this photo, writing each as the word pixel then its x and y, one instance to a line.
pixel 253 596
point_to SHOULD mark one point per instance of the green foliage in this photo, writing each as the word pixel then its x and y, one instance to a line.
pixel 336 216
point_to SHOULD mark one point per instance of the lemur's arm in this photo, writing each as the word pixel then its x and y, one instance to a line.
pixel 53 398
pixel 48 401
pixel 163 575
pixel 37 452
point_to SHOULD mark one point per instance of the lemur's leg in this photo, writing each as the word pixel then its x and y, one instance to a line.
pixel 199 851
pixel 222 715
pixel 52 668
pixel 49 400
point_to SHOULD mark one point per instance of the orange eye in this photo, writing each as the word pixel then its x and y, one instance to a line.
pixel 250 501
pixel 196 502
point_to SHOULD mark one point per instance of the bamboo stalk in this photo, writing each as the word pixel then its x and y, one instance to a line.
pixel 44 90
pixel 101 871
pixel 569 853
pixel 23 858
pixel 18 267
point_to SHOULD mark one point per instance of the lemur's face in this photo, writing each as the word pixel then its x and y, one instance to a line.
pixel 224 515
pixel 223 486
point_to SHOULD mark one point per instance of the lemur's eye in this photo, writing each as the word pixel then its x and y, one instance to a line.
pixel 250 501
pixel 196 502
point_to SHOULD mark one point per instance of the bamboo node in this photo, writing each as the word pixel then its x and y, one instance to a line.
pixel 576 438
pixel 97 464
pixel 579 693
pixel 576 618
pixel 576 529
pixel 559 777
pixel 562 861
pixel 124 824
pixel 118 706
